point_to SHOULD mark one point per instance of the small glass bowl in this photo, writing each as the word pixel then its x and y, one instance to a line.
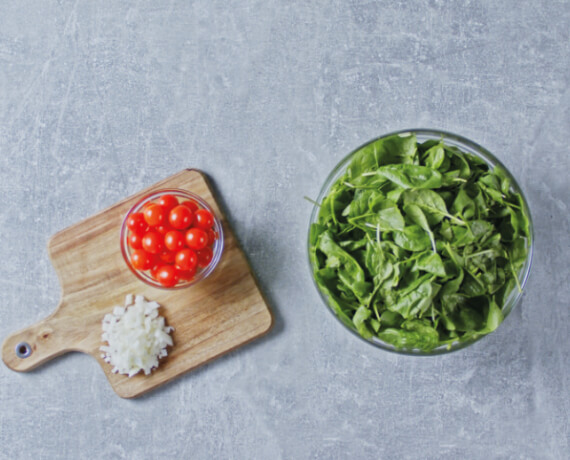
pixel 465 145
pixel 217 247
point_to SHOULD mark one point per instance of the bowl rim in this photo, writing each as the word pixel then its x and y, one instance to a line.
pixel 217 249
pixel 468 146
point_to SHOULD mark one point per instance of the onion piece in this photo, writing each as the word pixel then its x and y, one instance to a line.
pixel 136 337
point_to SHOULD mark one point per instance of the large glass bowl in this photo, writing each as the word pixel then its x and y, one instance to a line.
pixel 465 145
pixel 182 195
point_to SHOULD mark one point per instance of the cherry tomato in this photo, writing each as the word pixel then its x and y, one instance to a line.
pixel 163 229
pixel 186 259
pixel 167 275
pixel 135 240
pixel 146 205
pixel 180 217
pixel 167 257
pixel 153 242
pixel 168 202
pixel 204 257
pixel 174 240
pixel 154 215
pixel 190 205
pixel 203 219
pixel 141 260
pixel 186 275
pixel 212 237
pixel 155 265
pixel 196 238
pixel 136 223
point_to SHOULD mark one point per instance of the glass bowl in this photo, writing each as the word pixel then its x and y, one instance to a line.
pixel 201 273
pixel 465 145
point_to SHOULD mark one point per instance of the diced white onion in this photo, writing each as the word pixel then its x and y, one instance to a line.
pixel 136 335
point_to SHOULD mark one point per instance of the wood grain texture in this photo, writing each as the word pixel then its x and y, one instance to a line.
pixel 215 316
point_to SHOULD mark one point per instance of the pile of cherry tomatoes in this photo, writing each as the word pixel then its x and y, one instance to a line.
pixel 171 238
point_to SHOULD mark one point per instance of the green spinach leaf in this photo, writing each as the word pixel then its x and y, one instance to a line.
pixel 419 245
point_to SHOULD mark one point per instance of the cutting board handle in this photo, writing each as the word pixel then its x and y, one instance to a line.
pixel 36 344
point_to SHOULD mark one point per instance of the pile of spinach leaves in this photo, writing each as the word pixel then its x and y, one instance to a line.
pixel 419 244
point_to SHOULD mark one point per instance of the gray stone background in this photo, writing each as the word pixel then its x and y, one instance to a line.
pixel 101 99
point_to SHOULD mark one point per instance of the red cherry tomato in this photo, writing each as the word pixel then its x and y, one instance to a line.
pixel 180 217
pixel 212 237
pixel 174 240
pixel 186 259
pixel 154 215
pixel 196 238
pixel 163 229
pixel 146 205
pixel 186 275
pixel 203 219
pixel 190 205
pixel 168 202
pixel 167 257
pixel 153 242
pixel 155 265
pixel 136 223
pixel 167 275
pixel 204 257
pixel 141 260
pixel 135 240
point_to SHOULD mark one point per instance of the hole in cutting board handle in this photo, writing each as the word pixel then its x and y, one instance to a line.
pixel 23 350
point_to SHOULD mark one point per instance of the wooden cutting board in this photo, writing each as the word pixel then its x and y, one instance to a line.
pixel 211 318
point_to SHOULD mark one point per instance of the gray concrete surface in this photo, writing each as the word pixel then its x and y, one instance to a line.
pixel 100 99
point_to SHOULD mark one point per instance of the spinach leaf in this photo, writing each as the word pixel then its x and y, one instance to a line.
pixel 412 238
pixel 411 176
pixel 390 319
pixel 434 156
pixel 419 245
pixel 461 314
pixel 431 203
pixel 430 262
pixel 359 320
pixel 416 215
pixel 326 286
pixel 411 334
pixel 503 178
pixel 348 269
pixel 414 302
pixel 379 264
pixel 494 316
pixel 395 149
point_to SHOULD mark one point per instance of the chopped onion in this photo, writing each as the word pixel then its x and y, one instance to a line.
pixel 136 335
